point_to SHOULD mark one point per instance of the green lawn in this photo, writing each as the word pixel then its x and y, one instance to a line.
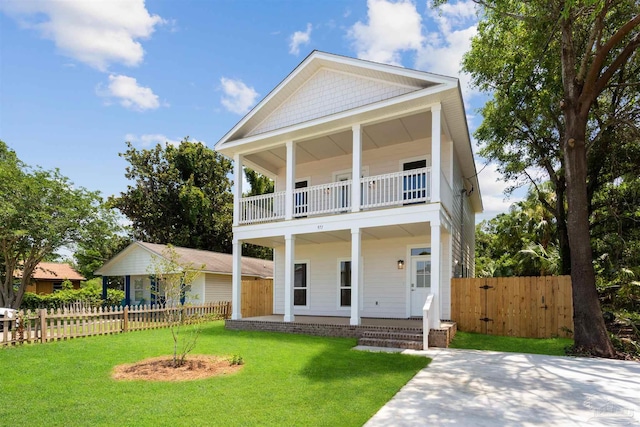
pixel 286 380
pixel 550 346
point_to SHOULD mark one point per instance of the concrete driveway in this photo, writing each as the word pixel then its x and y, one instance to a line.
pixel 481 388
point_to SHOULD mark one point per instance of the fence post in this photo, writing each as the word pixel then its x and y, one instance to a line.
pixel 43 325
pixel 125 318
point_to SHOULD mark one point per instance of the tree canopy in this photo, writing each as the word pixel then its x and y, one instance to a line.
pixel 40 212
pixel 564 80
pixel 180 195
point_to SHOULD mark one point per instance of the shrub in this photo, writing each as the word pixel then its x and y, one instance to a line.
pixel 89 296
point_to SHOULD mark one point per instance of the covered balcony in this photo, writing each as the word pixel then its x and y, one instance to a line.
pixel 403 160
pixel 376 192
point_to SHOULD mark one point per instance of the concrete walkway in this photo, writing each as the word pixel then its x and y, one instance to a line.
pixel 479 388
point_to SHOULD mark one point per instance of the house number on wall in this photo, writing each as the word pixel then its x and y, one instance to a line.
pixel 320 227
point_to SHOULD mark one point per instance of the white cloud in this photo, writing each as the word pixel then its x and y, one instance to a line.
pixel 150 139
pixel 493 189
pixel 97 33
pixel 392 27
pixel 443 49
pixel 298 39
pixel 238 97
pixel 129 93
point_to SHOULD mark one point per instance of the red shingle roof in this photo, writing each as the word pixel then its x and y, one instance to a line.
pixel 53 271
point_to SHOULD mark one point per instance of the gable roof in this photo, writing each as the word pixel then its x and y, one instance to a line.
pixel 53 271
pixel 213 262
pixel 382 82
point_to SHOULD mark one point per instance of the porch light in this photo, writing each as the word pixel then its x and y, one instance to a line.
pixel 400 264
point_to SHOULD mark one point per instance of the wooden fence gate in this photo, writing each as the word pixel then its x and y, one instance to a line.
pixel 257 298
pixel 533 307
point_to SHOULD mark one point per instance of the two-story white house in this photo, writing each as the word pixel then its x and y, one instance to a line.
pixel 376 190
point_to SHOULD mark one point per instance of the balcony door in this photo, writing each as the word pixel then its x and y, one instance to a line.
pixel 301 201
pixel 342 196
pixel 414 185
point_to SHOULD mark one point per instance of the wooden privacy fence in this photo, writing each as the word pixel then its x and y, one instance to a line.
pixel 533 307
pixel 257 298
pixel 47 325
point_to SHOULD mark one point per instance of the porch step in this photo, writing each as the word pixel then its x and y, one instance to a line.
pixel 375 342
pixel 392 338
pixel 401 336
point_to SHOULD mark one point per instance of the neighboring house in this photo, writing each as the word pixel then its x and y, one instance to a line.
pixel 133 263
pixel 371 245
pixel 48 277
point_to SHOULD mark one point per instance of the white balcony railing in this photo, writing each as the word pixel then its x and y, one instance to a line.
pixel 378 191
pixel 398 188
pixel 263 208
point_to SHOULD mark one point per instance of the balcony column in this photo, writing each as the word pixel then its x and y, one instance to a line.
pixel 356 168
pixel 237 187
pixel 236 281
pixel 436 160
pixel 290 177
pixel 355 276
pixel 289 276
pixel 436 272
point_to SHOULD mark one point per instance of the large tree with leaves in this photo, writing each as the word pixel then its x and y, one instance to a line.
pixel 40 212
pixel 562 77
pixel 101 240
pixel 180 195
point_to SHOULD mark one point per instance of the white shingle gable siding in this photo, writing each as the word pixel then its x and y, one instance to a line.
pixel 329 92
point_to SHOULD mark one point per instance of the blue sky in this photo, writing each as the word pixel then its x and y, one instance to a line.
pixel 79 78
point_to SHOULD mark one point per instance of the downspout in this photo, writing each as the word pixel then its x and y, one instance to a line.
pixel 462 262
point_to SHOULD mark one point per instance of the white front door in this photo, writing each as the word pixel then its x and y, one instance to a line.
pixel 420 283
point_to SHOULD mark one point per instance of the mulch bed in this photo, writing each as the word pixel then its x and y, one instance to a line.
pixel 161 369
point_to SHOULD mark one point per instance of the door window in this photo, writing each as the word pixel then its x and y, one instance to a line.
pixel 300 284
pixel 345 284
pixel 414 186
pixel 301 204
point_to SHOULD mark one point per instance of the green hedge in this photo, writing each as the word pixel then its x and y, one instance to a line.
pixel 91 297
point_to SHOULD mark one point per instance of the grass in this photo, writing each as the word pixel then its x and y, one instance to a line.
pixel 549 346
pixel 286 380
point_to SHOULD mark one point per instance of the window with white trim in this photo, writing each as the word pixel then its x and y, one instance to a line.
pixel 345 283
pixel 300 282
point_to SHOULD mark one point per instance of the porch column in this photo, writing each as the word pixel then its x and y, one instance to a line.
pixel 436 272
pixel 127 290
pixel 290 177
pixel 237 187
pixel 289 276
pixel 356 168
pixel 355 276
pixel 105 282
pixel 236 281
pixel 436 160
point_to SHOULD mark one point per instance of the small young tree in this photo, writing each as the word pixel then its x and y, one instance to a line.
pixel 174 277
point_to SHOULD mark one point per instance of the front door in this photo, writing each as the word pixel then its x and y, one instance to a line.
pixel 420 283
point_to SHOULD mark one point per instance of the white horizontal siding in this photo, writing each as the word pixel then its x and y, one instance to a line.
pixel 384 286
pixel 134 261
pixel 217 287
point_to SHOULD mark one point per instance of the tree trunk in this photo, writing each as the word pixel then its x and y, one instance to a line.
pixel 590 333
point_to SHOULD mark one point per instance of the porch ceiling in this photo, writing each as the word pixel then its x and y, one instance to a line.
pixel 372 233
pixel 383 134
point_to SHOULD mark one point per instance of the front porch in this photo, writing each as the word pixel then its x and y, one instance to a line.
pixel 372 331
